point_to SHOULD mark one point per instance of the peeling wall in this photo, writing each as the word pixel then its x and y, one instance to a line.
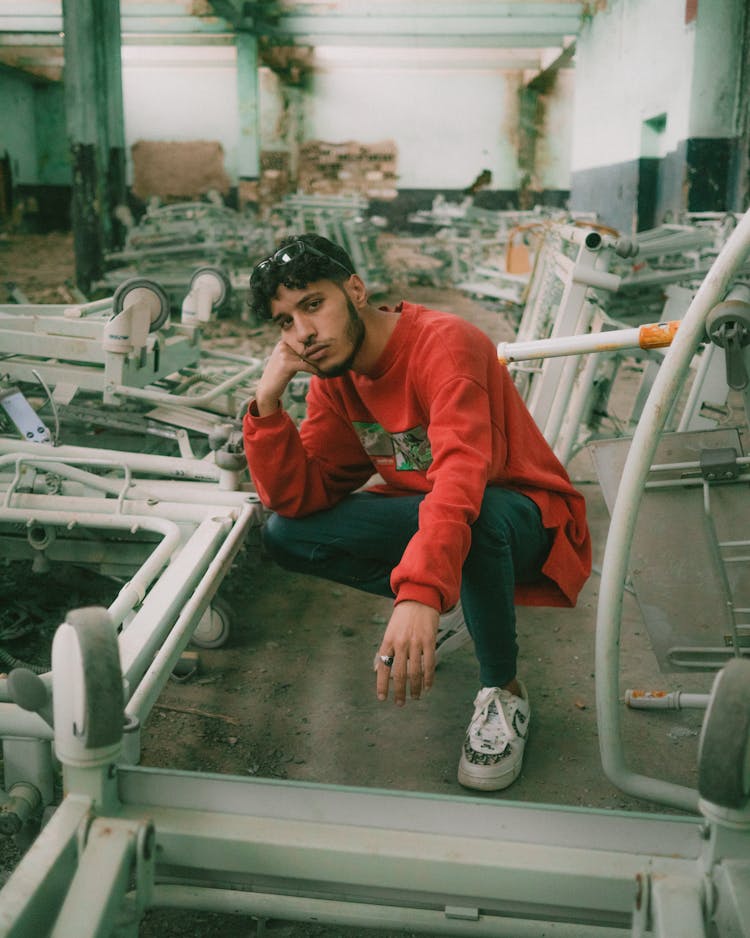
pixel 448 125
pixel 179 170
pixel 656 103
pixel 634 61
pixel 554 146
pixel 450 115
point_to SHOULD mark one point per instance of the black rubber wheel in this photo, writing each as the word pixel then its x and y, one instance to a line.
pixel 213 629
pixel 137 283
pixel 225 283
pixel 724 755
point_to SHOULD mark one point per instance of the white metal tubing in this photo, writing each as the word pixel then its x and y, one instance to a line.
pixel 144 635
pixel 51 464
pixel 677 907
pixel 666 386
pixel 191 509
pixel 665 700
pixel 63 310
pixel 144 696
pixel 561 402
pixel 368 915
pixel 674 239
pixel 558 346
pixel 135 589
pixel 22 723
pixel 232 357
pixel 400 862
pixel 84 309
pixel 108 856
pixel 608 341
pixel 556 382
pixel 185 400
pixel 27 765
pixel 196 495
pixel 573 315
pixel 32 895
pixel 579 408
pixel 584 236
pixel 175 466
pixel 595 278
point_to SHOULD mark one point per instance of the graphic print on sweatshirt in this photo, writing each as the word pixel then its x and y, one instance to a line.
pixel 408 450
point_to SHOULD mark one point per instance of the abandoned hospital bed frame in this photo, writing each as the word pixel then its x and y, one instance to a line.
pixel 126 838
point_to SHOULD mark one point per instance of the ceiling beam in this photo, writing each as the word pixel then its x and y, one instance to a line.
pixel 51 25
pixel 436 23
pixel 336 22
pixel 439 27
pixel 384 24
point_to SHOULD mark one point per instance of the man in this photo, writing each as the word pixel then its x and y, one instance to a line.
pixel 471 502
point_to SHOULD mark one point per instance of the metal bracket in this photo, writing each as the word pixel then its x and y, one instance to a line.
pixel 719 465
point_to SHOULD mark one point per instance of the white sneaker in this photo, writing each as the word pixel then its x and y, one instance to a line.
pixel 452 632
pixel 492 754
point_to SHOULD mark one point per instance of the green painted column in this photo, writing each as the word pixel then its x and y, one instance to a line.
pixel 95 127
pixel 248 88
pixel 715 94
pixel 112 107
pixel 82 113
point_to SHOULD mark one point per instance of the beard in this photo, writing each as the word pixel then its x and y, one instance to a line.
pixel 355 334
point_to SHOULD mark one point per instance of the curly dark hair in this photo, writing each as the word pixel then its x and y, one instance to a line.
pixel 312 257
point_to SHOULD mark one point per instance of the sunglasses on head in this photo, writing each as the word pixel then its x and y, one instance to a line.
pixel 296 249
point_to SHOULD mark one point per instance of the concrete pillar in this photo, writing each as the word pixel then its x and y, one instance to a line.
pixel 714 116
pixel 113 109
pixel 248 162
pixel 740 178
pixel 94 118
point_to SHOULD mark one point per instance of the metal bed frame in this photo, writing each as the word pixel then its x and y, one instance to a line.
pixel 127 838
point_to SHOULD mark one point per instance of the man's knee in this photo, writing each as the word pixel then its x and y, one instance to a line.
pixel 510 521
pixel 275 536
pixel 294 544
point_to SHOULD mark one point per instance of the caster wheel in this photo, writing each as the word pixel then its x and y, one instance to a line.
pixel 220 285
pixel 213 629
pixel 724 759
pixel 145 290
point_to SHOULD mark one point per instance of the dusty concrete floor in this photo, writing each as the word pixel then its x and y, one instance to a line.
pixel 291 694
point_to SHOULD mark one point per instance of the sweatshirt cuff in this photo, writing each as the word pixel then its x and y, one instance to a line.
pixel 427 595
pixel 252 415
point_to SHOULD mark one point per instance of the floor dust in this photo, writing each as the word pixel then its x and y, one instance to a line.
pixel 291 694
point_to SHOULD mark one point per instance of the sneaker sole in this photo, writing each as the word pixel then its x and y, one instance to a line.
pixel 485 782
pixel 451 644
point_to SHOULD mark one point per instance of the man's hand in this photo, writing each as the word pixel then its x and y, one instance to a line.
pixel 281 367
pixel 410 639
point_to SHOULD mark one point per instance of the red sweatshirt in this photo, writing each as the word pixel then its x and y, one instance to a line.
pixel 439 414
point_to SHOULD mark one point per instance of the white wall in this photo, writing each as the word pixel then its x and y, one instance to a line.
pixel 448 125
pixel 451 114
pixel 181 93
pixel 633 62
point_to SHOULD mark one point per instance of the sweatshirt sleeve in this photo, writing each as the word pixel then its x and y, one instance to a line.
pixel 297 472
pixel 430 568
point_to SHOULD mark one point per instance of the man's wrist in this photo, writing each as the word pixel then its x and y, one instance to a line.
pixel 264 407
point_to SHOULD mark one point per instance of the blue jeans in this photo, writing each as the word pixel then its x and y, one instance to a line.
pixel 360 540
